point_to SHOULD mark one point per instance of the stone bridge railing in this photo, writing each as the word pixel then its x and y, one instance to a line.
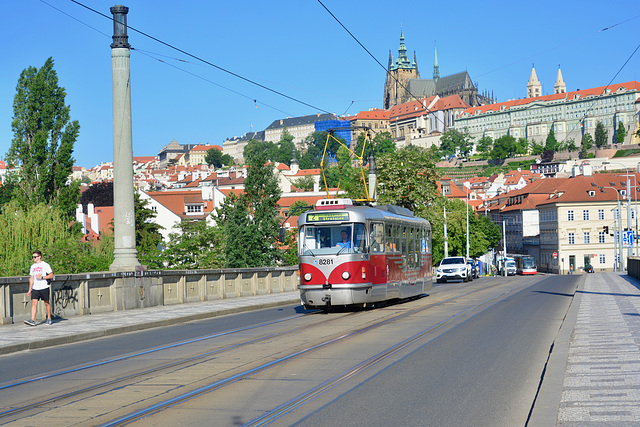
pixel 81 294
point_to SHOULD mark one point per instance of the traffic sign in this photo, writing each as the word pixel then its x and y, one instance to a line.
pixel 555 254
pixel 627 238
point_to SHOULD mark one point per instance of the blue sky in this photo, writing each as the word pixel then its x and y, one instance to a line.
pixel 297 48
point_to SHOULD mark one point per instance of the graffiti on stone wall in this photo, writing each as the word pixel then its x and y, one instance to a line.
pixel 64 297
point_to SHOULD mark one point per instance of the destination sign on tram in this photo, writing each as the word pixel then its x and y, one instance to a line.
pixel 328 216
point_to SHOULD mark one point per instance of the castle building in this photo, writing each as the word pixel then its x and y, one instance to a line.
pixel 570 114
pixel 403 83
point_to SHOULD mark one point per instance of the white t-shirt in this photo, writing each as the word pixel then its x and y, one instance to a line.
pixel 43 269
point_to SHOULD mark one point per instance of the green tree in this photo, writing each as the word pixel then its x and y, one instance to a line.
pixel 585 145
pixel 407 178
pixel 214 157
pixel 305 183
pixel 452 140
pixel 311 158
pixel 485 144
pixel 483 234
pixel 251 221
pixel 601 135
pixel 504 147
pixel 382 143
pixel 522 146
pixel 255 149
pixel 43 141
pixel 536 149
pixel 621 133
pixel 23 230
pixel 195 244
pixel 551 143
pixel 570 144
pixel 148 237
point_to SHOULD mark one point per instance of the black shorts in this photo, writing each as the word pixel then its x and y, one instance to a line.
pixel 42 294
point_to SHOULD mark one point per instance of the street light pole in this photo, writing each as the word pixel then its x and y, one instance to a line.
pixel 629 228
pixel 467 222
pixel 617 226
pixel 446 240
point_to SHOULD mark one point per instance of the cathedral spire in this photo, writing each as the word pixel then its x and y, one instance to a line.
pixel 534 88
pixel 559 87
pixel 436 67
pixel 403 61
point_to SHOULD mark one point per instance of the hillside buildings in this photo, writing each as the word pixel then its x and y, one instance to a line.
pixel 570 114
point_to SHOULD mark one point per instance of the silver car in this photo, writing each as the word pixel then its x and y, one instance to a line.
pixel 453 268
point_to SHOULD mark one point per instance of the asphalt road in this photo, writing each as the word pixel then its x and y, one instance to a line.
pixel 484 372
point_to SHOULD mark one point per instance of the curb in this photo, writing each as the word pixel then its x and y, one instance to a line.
pixel 84 336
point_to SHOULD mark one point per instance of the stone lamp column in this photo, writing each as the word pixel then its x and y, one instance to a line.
pixel 125 252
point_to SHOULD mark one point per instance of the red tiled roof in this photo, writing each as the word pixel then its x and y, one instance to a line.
pixel 370 115
pixel 632 85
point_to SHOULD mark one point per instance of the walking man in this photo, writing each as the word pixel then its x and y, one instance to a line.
pixel 39 287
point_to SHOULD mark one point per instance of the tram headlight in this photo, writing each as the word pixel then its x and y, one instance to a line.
pixel 346 275
pixel 307 276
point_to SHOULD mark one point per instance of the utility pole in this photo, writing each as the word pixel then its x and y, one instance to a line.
pixel 446 239
pixel 125 253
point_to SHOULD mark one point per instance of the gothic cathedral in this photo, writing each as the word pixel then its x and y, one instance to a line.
pixel 403 82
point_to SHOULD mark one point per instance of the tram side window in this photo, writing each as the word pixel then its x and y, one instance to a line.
pixel 413 255
pixel 390 238
pixel 377 234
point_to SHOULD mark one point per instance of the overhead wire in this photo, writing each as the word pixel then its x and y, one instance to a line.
pixel 184 52
pixel 154 56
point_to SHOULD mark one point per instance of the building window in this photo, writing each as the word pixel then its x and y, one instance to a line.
pixel 569 215
pixel 585 215
pixel 603 259
pixel 572 238
pixel 601 214
pixel 587 238
pixel 601 237
pixel 194 208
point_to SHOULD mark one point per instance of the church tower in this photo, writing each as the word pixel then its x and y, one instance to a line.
pixel 534 88
pixel 559 87
pixel 398 76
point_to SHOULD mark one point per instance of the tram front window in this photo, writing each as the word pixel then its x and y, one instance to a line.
pixel 332 239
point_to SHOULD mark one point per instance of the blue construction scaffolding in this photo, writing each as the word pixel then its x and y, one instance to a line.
pixel 341 128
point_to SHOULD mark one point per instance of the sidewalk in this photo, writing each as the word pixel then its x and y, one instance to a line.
pixel 17 337
pixel 593 374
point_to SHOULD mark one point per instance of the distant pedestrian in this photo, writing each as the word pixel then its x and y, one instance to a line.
pixel 39 276
pixel 571 269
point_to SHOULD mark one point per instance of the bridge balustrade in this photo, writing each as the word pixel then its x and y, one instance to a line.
pixel 82 294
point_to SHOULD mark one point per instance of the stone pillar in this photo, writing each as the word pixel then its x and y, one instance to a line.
pixel 125 253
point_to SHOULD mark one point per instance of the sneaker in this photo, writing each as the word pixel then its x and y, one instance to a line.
pixel 49 322
pixel 30 322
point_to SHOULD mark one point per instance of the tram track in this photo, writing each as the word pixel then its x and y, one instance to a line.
pixel 240 374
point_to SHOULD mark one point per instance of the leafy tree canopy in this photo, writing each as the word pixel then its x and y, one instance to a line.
pixel 43 141
pixel 601 135
pixel 216 159
pixel 551 142
pixel 621 133
pixel 453 139
pixel 407 177
pixel 504 147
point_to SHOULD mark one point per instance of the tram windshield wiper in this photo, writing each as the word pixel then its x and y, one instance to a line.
pixel 306 249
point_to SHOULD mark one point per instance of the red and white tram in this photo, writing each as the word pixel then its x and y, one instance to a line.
pixel 362 254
